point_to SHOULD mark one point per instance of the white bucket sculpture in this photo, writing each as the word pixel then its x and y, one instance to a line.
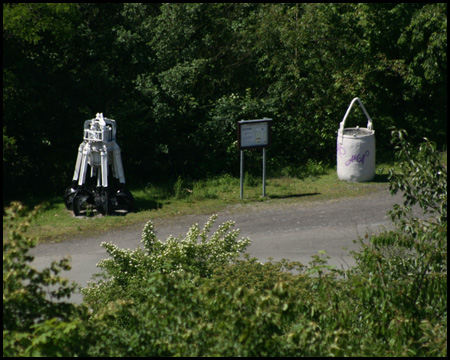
pixel 356 150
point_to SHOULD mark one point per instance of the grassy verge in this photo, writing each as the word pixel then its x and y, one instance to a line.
pixel 161 201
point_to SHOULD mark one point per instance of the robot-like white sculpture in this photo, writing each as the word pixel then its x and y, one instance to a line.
pixel 105 189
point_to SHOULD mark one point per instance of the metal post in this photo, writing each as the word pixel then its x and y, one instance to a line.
pixel 242 174
pixel 264 172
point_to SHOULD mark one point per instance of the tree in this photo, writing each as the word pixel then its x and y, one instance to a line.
pixel 37 99
pixel 177 77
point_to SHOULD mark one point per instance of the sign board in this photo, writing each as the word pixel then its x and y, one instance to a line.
pixel 254 133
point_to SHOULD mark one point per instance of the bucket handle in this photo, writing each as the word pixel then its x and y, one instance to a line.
pixel 369 120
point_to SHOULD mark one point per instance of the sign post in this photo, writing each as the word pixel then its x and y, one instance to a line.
pixel 254 134
pixel 242 174
pixel 264 172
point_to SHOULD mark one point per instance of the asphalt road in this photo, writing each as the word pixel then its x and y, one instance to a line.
pixel 290 231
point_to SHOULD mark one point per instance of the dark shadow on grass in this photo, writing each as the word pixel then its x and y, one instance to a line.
pixel 292 196
pixel 142 204
pixel 47 203
pixel 381 178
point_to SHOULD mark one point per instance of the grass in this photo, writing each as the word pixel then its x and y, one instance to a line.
pixel 162 201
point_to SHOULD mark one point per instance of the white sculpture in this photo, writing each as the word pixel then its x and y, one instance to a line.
pixel 356 149
pixel 105 189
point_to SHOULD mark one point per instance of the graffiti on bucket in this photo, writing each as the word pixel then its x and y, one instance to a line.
pixel 341 150
pixel 358 158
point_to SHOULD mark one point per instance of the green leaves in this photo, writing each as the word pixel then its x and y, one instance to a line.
pixel 422 177
pixel 197 254
pixel 29 294
pixel 400 276
pixel 31 22
pixel 36 320
pixel 177 77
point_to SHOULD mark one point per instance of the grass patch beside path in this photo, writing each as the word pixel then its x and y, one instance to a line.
pixel 153 201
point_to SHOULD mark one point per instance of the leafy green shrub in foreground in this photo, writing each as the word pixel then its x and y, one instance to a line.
pixel 35 320
pixel 400 280
pixel 196 254
pixel 25 289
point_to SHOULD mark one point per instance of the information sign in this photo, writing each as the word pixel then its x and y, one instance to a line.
pixel 254 133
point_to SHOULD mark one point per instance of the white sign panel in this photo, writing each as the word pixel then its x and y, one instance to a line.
pixel 254 133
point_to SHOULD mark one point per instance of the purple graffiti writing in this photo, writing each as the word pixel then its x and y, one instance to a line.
pixel 341 150
pixel 358 158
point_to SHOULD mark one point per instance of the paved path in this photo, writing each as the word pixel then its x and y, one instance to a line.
pixel 290 231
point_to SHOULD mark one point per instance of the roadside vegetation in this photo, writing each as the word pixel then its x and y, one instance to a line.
pixel 193 296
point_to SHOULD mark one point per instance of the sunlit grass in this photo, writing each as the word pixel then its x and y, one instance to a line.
pixel 161 201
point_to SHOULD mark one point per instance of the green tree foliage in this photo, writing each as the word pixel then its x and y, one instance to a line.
pixel 36 320
pixel 418 169
pixel 36 119
pixel 25 289
pixel 402 275
pixel 177 77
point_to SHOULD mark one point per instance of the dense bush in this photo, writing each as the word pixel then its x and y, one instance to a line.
pixel 35 322
pixel 195 254
pixel 400 279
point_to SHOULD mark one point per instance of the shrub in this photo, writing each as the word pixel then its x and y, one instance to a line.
pixel 195 254
pixel 35 320
pixel 400 281
pixel 423 180
pixel 26 295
